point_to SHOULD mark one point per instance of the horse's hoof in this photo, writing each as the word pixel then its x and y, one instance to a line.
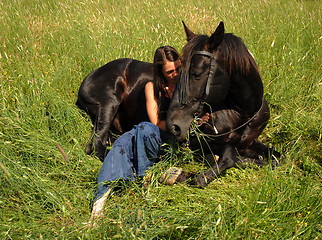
pixel 277 159
pixel 175 175
pixel 199 181
pixel 244 162
pixel 100 157
pixel 170 176
pixel 89 148
pixel 100 151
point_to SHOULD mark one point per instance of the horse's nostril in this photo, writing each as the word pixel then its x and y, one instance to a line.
pixel 175 129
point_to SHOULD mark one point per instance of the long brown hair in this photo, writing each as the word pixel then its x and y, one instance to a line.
pixel 162 54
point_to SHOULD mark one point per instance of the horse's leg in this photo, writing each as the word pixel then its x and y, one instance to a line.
pixel 95 112
pixel 89 148
pixel 252 150
pixel 227 159
pixel 103 123
pixel 260 154
pixel 92 110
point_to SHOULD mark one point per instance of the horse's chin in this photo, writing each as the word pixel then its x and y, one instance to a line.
pixel 181 138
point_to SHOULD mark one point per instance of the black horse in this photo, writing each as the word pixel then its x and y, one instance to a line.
pixel 219 75
pixel 113 96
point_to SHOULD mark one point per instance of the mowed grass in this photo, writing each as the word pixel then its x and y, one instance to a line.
pixel 48 47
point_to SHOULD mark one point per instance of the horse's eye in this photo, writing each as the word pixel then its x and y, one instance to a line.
pixel 196 75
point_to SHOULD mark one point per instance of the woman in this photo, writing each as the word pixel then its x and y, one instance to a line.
pixel 137 150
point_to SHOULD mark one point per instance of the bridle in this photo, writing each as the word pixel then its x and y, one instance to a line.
pixel 206 92
pixel 185 79
pixel 211 71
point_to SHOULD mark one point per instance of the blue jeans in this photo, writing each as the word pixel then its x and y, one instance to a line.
pixel 131 155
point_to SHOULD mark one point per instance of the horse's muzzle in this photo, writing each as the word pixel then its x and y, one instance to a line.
pixel 175 130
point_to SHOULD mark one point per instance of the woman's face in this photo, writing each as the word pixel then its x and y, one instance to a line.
pixel 170 70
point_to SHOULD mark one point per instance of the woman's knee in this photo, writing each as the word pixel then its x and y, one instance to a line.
pixel 147 128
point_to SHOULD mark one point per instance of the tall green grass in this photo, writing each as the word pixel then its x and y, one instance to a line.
pixel 48 47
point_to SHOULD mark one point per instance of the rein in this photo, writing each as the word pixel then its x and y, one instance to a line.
pixel 226 133
pixel 206 92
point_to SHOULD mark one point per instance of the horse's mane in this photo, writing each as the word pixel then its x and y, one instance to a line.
pixel 237 58
pixel 234 55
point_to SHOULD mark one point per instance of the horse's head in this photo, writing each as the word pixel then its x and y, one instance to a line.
pixel 203 78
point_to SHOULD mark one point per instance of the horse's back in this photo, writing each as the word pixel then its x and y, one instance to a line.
pixel 119 83
pixel 100 85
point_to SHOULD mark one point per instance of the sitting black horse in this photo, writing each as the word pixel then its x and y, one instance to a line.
pixel 220 76
pixel 113 96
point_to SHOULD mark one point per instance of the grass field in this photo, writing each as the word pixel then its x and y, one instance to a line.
pixel 47 47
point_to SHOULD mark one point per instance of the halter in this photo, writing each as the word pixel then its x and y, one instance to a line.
pixel 211 71
pixel 210 76
pixel 206 92
pixel 185 79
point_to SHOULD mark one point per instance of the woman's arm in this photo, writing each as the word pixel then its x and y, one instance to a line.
pixel 152 106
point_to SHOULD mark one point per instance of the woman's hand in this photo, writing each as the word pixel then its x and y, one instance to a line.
pixel 205 118
pixel 202 120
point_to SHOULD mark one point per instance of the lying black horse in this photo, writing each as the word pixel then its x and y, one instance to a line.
pixel 113 96
pixel 220 76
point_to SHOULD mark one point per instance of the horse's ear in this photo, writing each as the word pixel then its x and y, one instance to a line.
pixel 189 33
pixel 217 37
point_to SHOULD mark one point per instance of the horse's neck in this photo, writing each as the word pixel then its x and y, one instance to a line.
pixel 245 94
